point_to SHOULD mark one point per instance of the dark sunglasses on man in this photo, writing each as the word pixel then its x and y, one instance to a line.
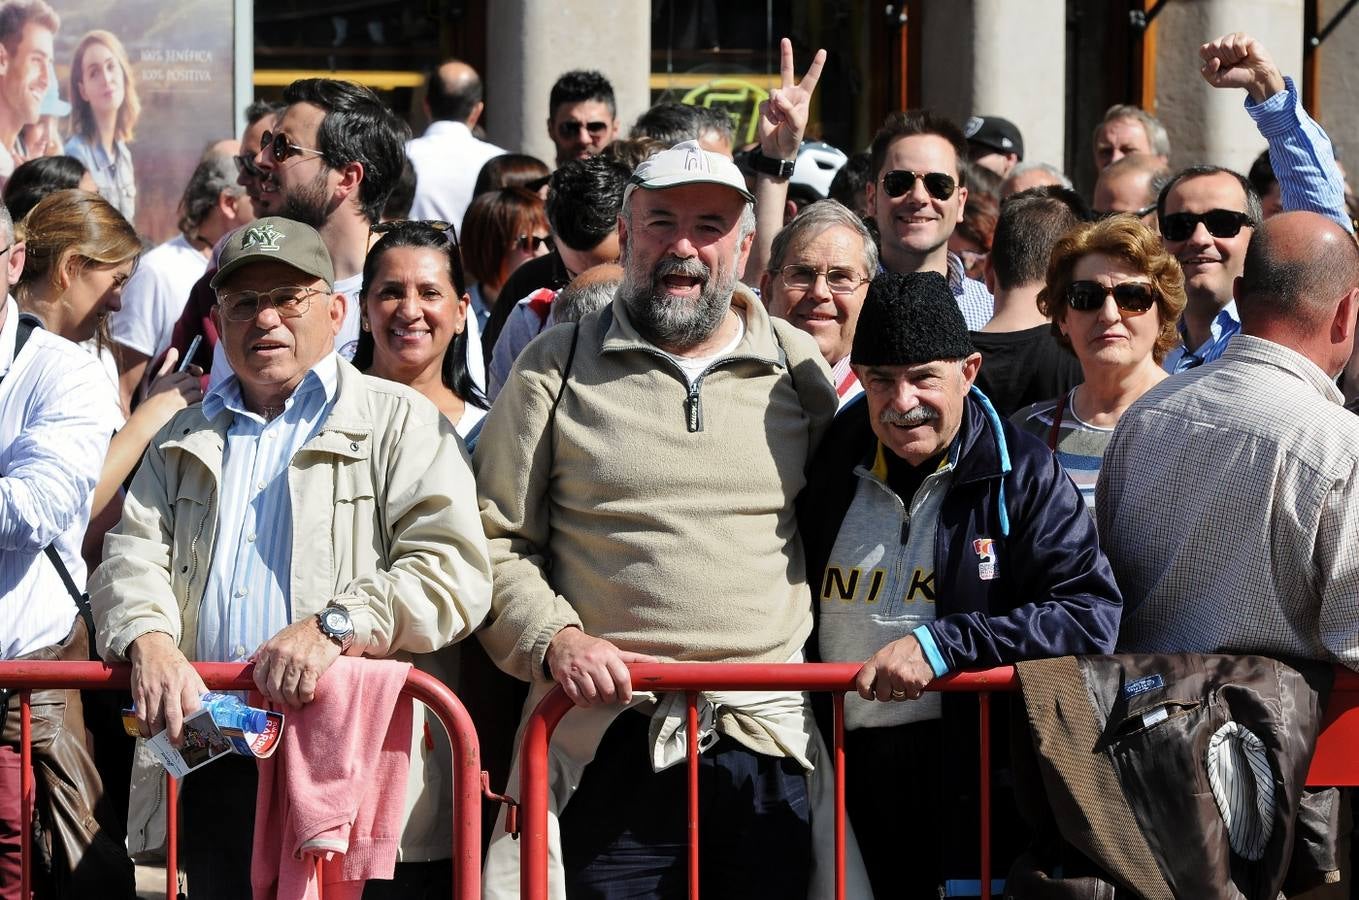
pixel 570 128
pixel 1221 223
pixel 245 165
pixel 1131 296
pixel 282 148
pixel 900 181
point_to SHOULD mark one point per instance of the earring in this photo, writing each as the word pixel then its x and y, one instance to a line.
pixel 363 323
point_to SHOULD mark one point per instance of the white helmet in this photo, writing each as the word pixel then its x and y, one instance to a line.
pixel 817 163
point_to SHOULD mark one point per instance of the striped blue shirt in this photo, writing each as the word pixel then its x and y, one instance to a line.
pixel 1225 325
pixel 247 598
pixel 1301 155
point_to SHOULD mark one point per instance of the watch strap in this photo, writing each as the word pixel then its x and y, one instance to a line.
pixel 767 165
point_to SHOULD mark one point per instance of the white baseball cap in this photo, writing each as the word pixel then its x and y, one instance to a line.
pixel 687 163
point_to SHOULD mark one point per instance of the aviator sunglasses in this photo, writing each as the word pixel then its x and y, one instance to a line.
pixel 1221 223
pixel 937 184
pixel 1131 296
pixel 282 148
pixel 570 128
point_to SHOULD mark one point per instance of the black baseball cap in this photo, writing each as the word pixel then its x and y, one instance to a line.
pixel 994 133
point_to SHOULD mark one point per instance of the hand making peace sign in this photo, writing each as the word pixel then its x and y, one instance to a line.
pixel 783 117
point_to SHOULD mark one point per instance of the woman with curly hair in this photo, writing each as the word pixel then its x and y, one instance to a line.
pixel 104 112
pixel 1114 296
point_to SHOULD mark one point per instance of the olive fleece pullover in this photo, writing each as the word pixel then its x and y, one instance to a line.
pixel 647 511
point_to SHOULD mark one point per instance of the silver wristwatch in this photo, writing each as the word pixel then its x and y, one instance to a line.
pixel 336 625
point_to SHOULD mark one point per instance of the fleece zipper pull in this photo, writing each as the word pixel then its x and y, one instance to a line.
pixel 693 406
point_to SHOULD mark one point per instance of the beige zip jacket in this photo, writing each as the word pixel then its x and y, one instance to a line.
pixel 385 523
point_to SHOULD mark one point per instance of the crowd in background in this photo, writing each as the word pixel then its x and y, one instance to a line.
pixel 919 405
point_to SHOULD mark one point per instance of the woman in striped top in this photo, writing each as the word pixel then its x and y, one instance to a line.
pixel 1114 296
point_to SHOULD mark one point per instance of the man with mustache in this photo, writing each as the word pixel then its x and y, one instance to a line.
pixel 637 476
pixel 938 538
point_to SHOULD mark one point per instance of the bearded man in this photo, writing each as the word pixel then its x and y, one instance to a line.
pixel 637 478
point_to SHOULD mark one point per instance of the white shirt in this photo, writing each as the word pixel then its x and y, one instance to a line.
pixel 154 297
pixel 55 427
pixel 447 160
pixel 694 366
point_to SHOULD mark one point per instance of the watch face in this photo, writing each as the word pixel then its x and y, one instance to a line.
pixel 337 622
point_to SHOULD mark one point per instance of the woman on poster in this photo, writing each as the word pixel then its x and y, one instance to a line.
pixel 104 115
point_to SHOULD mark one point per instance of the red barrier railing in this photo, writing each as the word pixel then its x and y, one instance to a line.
pixel 1334 761
pixel 24 676
pixel 694 677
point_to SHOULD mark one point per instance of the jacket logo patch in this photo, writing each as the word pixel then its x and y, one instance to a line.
pixel 1142 685
pixel 987 567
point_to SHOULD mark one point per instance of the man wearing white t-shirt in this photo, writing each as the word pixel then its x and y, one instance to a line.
pixel 447 158
pixel 154 297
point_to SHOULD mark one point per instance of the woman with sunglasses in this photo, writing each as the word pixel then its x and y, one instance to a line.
pixel 502 230
pixel 104 112
pixel 1114 296
pixel 413 313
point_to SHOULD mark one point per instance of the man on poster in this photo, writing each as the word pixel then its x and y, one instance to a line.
pixel 28 29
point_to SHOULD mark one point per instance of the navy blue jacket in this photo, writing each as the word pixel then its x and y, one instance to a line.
pixel 1051 593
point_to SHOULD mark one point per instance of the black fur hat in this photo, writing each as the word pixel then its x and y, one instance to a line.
pixel 909 319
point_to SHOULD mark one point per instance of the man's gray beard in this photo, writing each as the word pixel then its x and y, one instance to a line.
pixel 670 322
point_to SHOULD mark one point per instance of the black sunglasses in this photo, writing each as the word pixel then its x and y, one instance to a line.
pixel 1221 223
pixel 282 148
pixel 439 225
pixel 937 184
pixel 570 128
pixel 245 165
pixel 1131 296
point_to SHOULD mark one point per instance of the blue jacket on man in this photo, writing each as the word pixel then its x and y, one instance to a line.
pixel 1049 591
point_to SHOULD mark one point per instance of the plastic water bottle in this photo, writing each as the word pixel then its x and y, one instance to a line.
pixel 230 711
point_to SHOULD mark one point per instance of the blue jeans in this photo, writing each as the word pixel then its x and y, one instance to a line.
pixel 625 832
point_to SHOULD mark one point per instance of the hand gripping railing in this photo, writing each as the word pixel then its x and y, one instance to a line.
pixel 694 677
pixel 23 676
pixel 1334 762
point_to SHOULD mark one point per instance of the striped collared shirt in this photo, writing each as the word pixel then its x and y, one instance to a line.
pixel 247 599
pixel 1301 156
pixel 973 298
pixel 1227 506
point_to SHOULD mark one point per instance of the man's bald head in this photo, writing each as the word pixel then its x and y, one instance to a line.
pixel 454 93
pixel 1130 184
pixel 590 290
pixel 1300 267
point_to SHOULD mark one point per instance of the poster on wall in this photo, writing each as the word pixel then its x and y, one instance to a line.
pixel 134 89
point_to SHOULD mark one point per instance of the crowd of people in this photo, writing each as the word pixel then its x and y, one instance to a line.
pixel 924 408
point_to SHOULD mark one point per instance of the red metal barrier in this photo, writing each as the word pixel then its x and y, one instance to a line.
pixel 1334 761
pixel 30 675
pixel 694 677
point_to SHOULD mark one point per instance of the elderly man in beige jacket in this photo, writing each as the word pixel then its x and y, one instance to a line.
pixel 302 511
